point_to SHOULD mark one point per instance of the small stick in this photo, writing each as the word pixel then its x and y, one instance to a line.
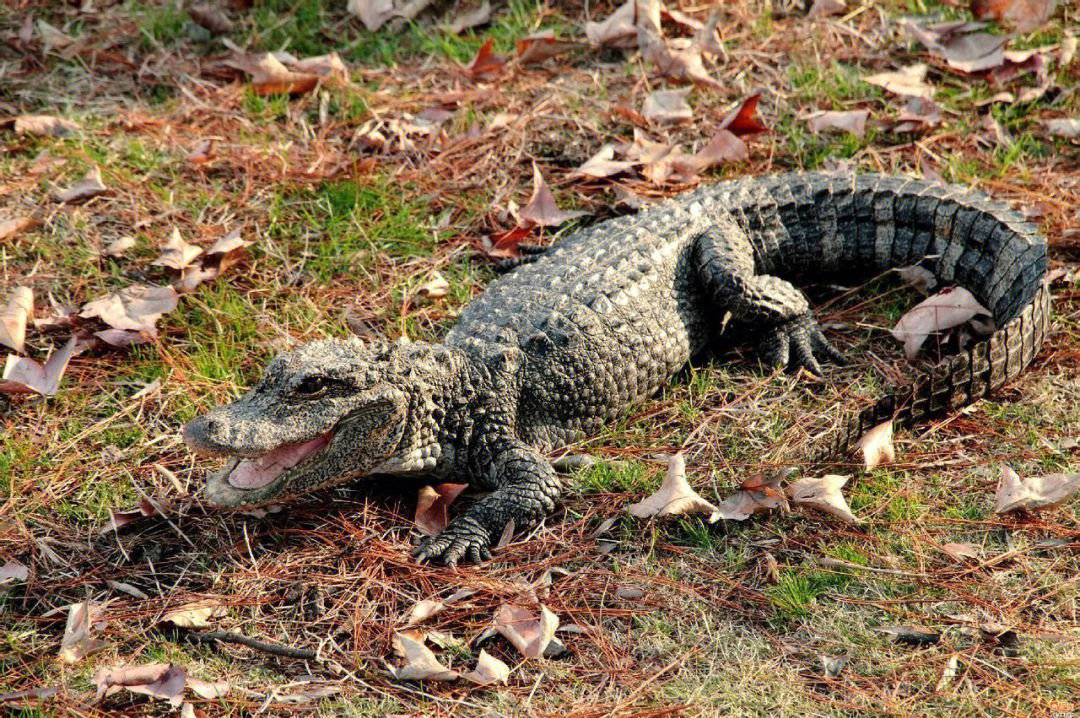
pixel 275 648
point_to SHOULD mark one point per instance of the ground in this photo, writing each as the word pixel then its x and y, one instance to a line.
pixel 674 617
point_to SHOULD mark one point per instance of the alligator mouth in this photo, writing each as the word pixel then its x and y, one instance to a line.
pixel 245 482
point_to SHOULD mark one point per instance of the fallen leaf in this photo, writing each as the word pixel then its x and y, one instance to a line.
pixel 432 504
pixel 42 693
pixel 743 120
pixel 45 125
pixel 851 121
pixel 1026 15
pixel 160 680
pixel 192 616
pixel 914 635
pixel 89 186
pixel 13 571
pixel 507 535
pixel 823 495
pixel 667 106
pixel 488 670
pixel 541 211
pixel 227 245
pixel 674 496
pixel 420 663
pixel 919 277
pixel 435 288
pixel 959 551
pixel 909 81
pixel 959 44
pixel 13 319
pixel 137 307
pixel 949 308
pixel 1037 493
pixel 127 588
pixel 542 46
pixel 473 18
pixel 423 610
pixel 118 247
pixel 1066 127
pixel 270 77
pixel 314 692
pixel 876 445
pixel 12 227
pixel 176 253
pixel 373 13
pixel 51 37
pixel 823 8
pixel 77 642
pixel 677 60
pixel 529 634
pixel 758 495
pixel 1069 45
pixel 602 164
pixel 206 689
pixel 26 376
pixel 679 18
pixel 724 147
pixel 212 17
pixel 630 593
pixel 486 65
pixel 620 29
pixel 121 338
pixel 919 113
pixel 327 67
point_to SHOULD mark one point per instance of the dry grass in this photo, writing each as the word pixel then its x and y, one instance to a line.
pixel 734 619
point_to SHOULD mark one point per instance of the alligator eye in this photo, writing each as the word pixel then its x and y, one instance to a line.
pixel 312 385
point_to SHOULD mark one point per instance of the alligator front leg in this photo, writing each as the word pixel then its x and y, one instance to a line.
pixel 526 489
pixel 790 336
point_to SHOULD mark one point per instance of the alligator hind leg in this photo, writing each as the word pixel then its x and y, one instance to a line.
pixel 791 337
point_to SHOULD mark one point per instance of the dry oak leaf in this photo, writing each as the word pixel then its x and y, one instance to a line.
pixel 674 496
pixel 26 376
pixel 12 227
pixel 136 308
pixel 949 308
pixel 723 147
pixel 909 81
pixel 194 616
pixel 678 59
pixel 13 318
pixel 1037 493
pixel 667 106
pixel 486 65
pixel 541 211
pixel 1026 15
pixel 743 120
pixel 118 247
pixel 420 663
pixel 876 445
pixel 432 504
pixel 958 43
pixel 77 642
pixel 160 680
pixel 327 67
pixel 270 77
pixel 758 495
pixel 89 186
pixel 176 253
pixel 959 551
pixel 13 571
pixel 212 17
pixel 851 121
pixel 45 125
pixel 489 670
pixel 620 29
pixel 529 634
pixel 823 495
pixel 542 46
pixel 423 610
pixel 435 288
pixel 919 277
pixel 373 13
pixel 602 164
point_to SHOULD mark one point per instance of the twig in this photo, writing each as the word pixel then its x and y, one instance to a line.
pixel 275 648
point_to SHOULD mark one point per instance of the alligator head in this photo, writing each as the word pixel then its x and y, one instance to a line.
pixel 324 414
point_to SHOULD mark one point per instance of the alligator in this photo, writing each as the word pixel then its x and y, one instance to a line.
pixel 575 335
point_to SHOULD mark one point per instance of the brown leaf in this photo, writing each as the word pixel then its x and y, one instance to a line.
pixel 473 18
pixel 1026 15
pixel 823 8
pixel 52 37
pixel 119 519
pixel 724 147
pixel 529 634
pixel 228 244
pixel 435 288
pixel 136 308
pixel 160 680
pixel 688 23
pixel 118 247
pixel 26 376
pixel 919 277
pixel 420 663
pixel 602 164
pixel 373 13
pixel 959 551
pixel 822 495
pixel 486 65
pixel 949 308
pixel 876 445
pixel 667 106
pixel 77 642
pixel 1037 493
pixel 194 616
pixel 542 46
pixel 852 121
pixel 432 505
pixel 674 496
pixel 176 253
pixel 621 28
pixel 13 571
pixel 89 186
pixel 743 120
pixel 541 211
pixel 488 670
pixel 206 689
pixel 45 125
pixel 326 67
pixel 423 610
pixel 909 81
pixel 270 77
pixel 754 497
pixel 1064 127
pixel 676 59
pixel 212 17
pixel 13 227
pixel 123 338
pixel 13 319
pixel 958 44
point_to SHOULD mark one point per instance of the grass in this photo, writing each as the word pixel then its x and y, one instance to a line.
pixel 735 616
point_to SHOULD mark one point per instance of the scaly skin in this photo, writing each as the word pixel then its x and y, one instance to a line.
pixel 574 335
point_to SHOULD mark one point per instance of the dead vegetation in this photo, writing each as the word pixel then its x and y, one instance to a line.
pixel 177 205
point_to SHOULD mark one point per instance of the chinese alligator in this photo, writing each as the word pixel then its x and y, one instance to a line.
pixel 572 337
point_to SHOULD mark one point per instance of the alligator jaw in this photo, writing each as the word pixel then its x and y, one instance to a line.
pixel 247 482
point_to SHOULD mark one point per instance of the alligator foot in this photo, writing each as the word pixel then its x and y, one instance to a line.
pixel 463 538
pixel 798 343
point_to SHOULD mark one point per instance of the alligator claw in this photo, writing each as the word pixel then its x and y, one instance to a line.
pixel 798 344
pixel 463 538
